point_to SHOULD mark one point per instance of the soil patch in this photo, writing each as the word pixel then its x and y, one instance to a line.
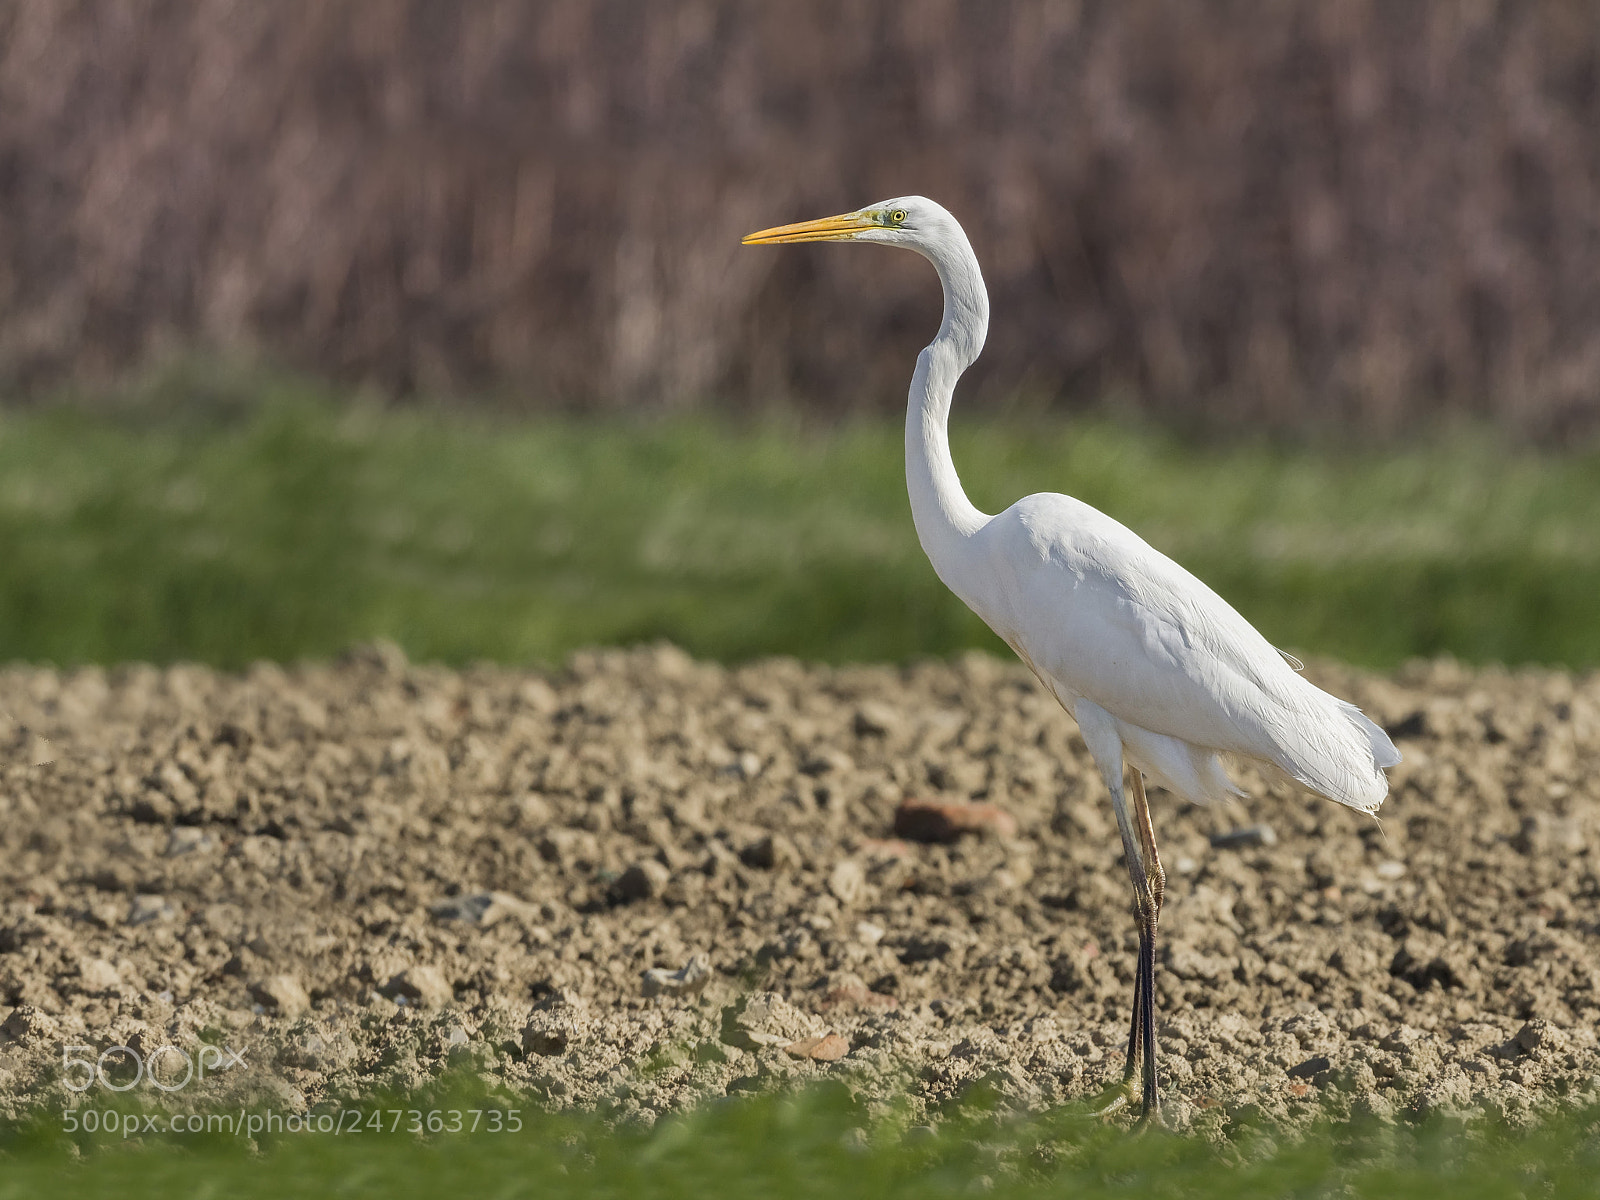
pixel 643 880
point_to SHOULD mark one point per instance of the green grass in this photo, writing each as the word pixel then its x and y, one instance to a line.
pixel 819 1143
pixel 292 528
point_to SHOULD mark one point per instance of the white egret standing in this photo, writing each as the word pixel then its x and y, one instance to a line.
pixel 1157 669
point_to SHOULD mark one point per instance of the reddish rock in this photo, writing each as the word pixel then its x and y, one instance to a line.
pixel 946 821
pixel 856 995
pixel 828 1048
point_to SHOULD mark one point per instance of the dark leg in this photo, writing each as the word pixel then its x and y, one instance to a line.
pixel 1136 1026
pixel 1149 889
pixel 1147 904
pixel 1145 1014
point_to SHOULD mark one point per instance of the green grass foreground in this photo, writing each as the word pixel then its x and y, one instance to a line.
pixel 294 529
pixel 818 1143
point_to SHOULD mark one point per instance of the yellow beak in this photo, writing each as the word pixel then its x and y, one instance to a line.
pixel 828 229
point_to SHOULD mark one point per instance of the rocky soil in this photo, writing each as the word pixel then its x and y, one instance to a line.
pixel 642 881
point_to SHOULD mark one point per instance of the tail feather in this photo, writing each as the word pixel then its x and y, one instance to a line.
pixel 1383 749
pixel 1342 760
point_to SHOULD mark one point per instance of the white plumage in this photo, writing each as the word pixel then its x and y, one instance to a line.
pixel 1157 669
pixel 1102 617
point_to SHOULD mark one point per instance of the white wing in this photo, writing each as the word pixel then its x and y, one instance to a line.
pixel 1105 617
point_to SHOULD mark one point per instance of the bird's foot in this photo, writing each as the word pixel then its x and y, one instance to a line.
pixel 1113 1098
pixel 1150 1119
pixel 1123 1096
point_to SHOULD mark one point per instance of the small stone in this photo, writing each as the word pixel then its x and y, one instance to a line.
pixel 1390 869
pixel 533 810
pixel 769 853
pixel 1245 837
pixel 869 933
pixel 846 880
pixel 765 1019
pixel 641 881
pixel 21 744
pixel 98 975
pixel 828 1048
pixel 145 909
pixel 482 909
pixel 556 1023
pixel 1538 1034
pixel 282 994
pixel 423 985
pixel 691 978
pixel 873 719
pixel 187 839
pixel 947 821
pixel 1017 872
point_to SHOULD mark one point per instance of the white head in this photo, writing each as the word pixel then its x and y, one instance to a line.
pixel 914 222
pixel 919 224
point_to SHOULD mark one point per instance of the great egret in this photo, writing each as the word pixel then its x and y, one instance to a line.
pixel 1155 667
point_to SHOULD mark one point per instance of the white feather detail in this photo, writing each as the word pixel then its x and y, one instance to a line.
pixel 1099 614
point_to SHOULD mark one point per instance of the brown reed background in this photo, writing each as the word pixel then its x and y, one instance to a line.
pixel 1304 213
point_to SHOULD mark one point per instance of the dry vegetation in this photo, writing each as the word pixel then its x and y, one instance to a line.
pixel 1299 211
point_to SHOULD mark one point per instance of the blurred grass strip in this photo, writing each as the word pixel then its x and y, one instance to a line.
pixel 819 1142
pixel 295 527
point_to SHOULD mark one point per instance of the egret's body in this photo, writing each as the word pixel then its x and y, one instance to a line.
pixel 1158 670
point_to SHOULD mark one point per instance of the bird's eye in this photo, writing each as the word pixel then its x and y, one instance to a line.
pixel 897 217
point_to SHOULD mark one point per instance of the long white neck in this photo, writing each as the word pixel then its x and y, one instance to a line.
pixel 944 517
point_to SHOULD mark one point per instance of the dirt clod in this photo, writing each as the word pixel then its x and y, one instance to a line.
pixel 846 880
pixel 283 994
pixel 691 978
pixel 765 1019
pixel 642 881
pixel 770 852
pixel 424 985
